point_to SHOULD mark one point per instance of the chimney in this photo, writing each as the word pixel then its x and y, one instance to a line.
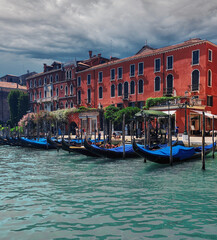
pixel 90 54
pixel 45 67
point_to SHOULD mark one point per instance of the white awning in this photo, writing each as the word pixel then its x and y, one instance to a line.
pixel 172 112
pixel 209 115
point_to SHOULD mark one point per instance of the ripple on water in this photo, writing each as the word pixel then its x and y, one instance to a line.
pixel 56 195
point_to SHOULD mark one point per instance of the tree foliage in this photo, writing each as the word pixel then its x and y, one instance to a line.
pixel 129 114
pixel 18 104
pixel 110 113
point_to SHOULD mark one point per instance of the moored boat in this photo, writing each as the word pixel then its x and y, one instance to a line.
pixel 179 153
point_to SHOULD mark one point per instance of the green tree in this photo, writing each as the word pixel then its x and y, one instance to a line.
pixel 23 104
pixel 110 113
pixel 18 104
pixel 129 114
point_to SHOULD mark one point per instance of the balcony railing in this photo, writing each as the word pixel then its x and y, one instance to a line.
pixel 197 102
pixel 194 87
pixel 168 91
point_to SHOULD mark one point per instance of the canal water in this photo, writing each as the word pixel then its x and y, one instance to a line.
pixel 51 195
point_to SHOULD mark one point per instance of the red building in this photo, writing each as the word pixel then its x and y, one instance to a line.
pixel 188 70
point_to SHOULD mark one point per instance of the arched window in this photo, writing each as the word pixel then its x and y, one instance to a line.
pixel 67 75
pixel 57 77
pixel 71 89
pixel 40 82
pixel 35 83
pixel 112 90
pixel 100 92
pixel 195 80
pixel 57 92
pixel 51 93
pixel 45 81
pixel 66 105
pixel 35 109
pixel 140 89
pixel 45 93
pixel 169 84
pixel 40 94
pixel 79 97
pixel 132 87
pixel 126 90
pixel 51 79
pixel 120 89
pixel 88 95
pixel 209 78
pixel 71 104
pixel 35 96
pixel 57 106
pixel 157 84
pixel 66 91
pixel 30 96
pixel 70 74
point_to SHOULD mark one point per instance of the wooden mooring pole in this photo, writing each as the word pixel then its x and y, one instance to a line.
pixel 189 133
pixel 170 141
pixel 213 140
pixel 123 136
pixel 203 143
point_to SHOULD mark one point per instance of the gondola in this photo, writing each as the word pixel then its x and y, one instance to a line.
pixel 54 142
pixel 77 149
pixel 118 151
pixel 179 153
pixel 40 144
pixel 111 153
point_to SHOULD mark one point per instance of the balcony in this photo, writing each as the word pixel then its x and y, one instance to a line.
pixel 197 102
pixel 168 92
pixel 194 87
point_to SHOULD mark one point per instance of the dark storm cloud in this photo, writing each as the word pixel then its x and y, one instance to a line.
pixel 64 29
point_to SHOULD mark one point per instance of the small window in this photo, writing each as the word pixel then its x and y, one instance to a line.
pixel 195 57
pixel 71 89
pixel 51 79
pixel 35 83
pixel 79 81
pixel 40 82
pixel 57 92
pixel 169 62
pixel 71 104
pixel 209 78
pixel 120 73
pixel 157 65
pixel 51 93
pixel 210 55
pixel 66 90
pixel 210 101
pixel 140 90
pixel 88 79
pixel 70 74
pixel 120 89
pixel 35 96
pixel 61 87
pixel 45 81
pixel 89 95
pixel 67 75
pixel 30 83
pixel 100 76
pixel 100 92
pixel 40 94
pixel 57 77
pixel 132 87
pixel 79 97
pixel 45 93
pixel 112 90
pixel 132 70
pixel 195 81
pixel 157 84
pixel 66 105
pixel 141 68
pixel 112 74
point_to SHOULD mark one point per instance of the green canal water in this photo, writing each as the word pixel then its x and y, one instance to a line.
pixel 51 195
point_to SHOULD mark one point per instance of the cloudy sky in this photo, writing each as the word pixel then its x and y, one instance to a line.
pixel 41 31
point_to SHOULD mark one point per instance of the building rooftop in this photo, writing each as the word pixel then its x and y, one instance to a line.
pixel 12 86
